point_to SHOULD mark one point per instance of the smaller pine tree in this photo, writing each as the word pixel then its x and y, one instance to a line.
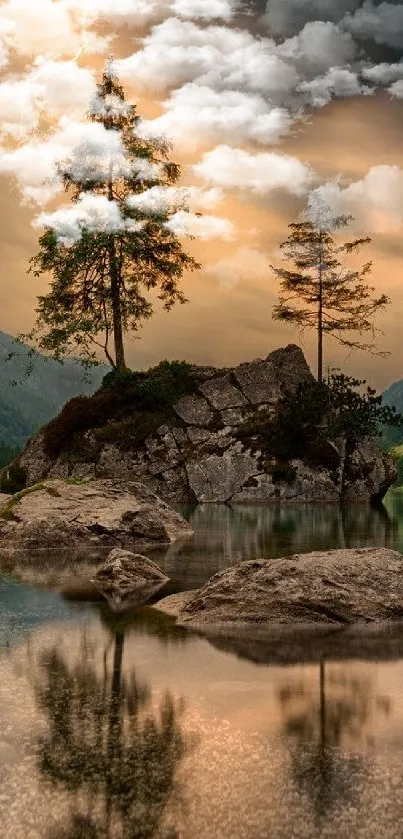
pixel 318 289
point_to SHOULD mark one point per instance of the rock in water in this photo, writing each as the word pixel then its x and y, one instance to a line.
pixel 339 588
pixel 57 514
pixel 127 579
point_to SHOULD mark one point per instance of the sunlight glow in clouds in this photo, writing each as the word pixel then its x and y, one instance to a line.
pixel 227 88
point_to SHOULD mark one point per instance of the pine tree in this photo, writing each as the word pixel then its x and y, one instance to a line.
pixel 100 277
pixel 319 291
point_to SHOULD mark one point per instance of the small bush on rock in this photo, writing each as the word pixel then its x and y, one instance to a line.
pixel 127 399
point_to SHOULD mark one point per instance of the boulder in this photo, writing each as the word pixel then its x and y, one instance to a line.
pixel 336 588
pixel 127 579
pixel 59 514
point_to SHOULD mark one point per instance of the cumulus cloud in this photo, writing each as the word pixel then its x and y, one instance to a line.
pixel 54 87
pixel 46 28
pixel 177 52
pixel 261 174
pixel 92 213
pixel 164 200
pixel 381 23
pixel 376 201
pixel 244 263
pixel 337 83
pixel 83 150
pixel 319 46
pixel 205 228
pixel 195 115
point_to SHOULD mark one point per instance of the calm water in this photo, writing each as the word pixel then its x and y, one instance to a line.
pixel 131 728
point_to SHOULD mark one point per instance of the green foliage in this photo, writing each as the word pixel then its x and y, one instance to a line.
pixel 13 479
pixel 128 407
pixel 283 473
pixel 100 283
pixel 7 454
pixel 307 421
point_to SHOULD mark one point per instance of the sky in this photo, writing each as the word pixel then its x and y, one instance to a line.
pixel 268 104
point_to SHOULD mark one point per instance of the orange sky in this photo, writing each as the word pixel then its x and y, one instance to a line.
pixel 223 326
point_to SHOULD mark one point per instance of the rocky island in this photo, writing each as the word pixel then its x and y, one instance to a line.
pixel 200 435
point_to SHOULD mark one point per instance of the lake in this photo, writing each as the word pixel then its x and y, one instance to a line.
pixel 131 728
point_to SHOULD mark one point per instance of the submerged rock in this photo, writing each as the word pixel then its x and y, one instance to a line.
pixel 337 588
pixel 127 579
pixel 57 514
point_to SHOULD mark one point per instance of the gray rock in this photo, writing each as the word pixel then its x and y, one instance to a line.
pixel 99 513
pixel 369 473
pixel 232 417
pixel 258 381
pixel 290 366
pixel 338 588
pixel 127 579
pixel 222 393
pixel 217 479
pixel 194 410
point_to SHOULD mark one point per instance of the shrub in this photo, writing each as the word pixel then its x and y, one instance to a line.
pixel 126 397
pixel 283 473
pixel 13 479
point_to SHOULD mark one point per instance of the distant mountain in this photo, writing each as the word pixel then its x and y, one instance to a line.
pixel 393 396
pixel 37 398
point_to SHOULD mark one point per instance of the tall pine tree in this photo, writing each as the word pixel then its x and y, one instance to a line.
pixel 318 289
pixel 108 250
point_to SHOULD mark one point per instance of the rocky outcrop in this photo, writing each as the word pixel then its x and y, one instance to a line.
pixel 58 514
pixel 338 588
pixel 199 455
pixel 127 580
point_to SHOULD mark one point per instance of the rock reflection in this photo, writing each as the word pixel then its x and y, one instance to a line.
pixel 322 727
pixel 108 746
pixel 226 535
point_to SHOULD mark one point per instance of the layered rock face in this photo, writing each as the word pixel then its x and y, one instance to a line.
pixel 198 455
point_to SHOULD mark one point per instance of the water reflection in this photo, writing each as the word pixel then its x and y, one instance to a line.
pixel 322 725
pixel 226 535
pixel 107 745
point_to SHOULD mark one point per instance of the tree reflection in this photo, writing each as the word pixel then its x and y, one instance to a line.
pixel 318 723
pixel 107 746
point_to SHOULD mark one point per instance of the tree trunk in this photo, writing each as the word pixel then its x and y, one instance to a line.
pixel 320 323
pixel 120 360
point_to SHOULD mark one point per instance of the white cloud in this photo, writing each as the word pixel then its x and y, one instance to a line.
pixel 177 52
pixel 259 174
pixel 244 263
pixel 381 23
pixel 92 213
pixel 195 115
pixel 383 74
pixel 396 89
pixel 376 201
pixel 201 227
pixel 338 82
pixel 320 46
pixel 164 200
pixel 45 27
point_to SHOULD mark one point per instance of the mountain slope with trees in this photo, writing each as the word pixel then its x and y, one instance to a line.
pixel 29 401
